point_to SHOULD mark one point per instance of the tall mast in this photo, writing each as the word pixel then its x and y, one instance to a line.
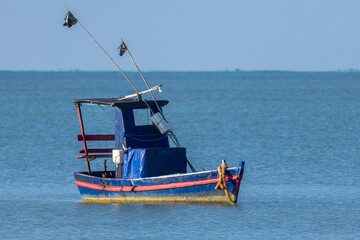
pixel 73 21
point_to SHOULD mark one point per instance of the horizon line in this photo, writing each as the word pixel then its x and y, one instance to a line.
pixel 186 71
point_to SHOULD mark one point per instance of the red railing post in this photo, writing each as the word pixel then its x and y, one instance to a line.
pixel 83 137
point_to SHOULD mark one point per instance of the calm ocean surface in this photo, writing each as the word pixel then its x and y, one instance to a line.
pixel 298 132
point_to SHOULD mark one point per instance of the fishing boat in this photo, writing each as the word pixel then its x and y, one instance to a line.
pixel 147 168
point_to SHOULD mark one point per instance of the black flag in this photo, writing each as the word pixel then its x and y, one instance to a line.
pixel 70 20
pixel 122 48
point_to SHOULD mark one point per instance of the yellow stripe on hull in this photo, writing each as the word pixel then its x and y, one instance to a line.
pixel 217 199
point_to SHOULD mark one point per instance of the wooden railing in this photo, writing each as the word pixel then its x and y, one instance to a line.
pixel 102 137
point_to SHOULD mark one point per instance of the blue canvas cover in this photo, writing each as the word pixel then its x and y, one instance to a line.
pixel 151 162
pixel 134 163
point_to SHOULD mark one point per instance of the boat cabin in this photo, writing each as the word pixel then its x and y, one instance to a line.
pixel 138 151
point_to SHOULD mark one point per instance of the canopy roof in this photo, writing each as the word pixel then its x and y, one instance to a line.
pixel 123 104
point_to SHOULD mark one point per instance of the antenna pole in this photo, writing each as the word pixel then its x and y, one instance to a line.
pixel 172 136
pixel 147 85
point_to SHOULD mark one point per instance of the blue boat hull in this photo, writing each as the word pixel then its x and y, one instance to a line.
pixel 199 187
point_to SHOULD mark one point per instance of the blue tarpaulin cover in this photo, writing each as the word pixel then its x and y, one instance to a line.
pixel 151 162
pixel 134 163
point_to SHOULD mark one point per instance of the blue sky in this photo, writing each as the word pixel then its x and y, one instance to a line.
pixel 182 35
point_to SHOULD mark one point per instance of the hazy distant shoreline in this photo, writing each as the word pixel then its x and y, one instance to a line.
pixel 178 71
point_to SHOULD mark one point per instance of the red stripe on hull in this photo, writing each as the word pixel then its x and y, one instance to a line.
pixel 153 187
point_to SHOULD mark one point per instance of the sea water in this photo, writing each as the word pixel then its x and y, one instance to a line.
pixel 299 133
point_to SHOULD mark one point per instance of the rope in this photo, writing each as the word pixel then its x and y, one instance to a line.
pixel 144 140
pixel 138 139
pixel 221 185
